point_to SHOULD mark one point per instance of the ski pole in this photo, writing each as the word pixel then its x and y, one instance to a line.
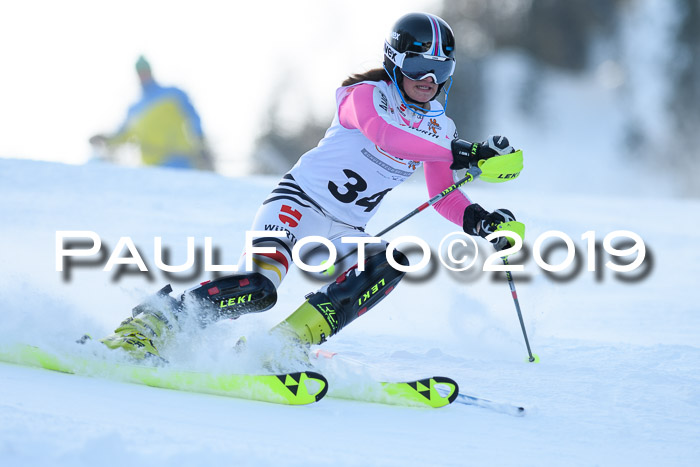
pixel 531 358
pixel 471 174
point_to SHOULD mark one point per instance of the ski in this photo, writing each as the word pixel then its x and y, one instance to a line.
pixel 297 388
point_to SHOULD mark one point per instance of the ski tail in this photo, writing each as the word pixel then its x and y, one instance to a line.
pixel 303 380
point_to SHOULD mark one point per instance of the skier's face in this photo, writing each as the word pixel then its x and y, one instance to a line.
pixel 145 77
pixel 420 91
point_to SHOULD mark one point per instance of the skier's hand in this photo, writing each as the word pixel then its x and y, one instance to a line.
pixel 478 221
pixel 466 154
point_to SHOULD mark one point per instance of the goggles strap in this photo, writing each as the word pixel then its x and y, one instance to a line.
pixel 394 55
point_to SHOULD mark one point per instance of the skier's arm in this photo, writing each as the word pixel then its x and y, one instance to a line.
pixel 438 176
pixel 363 109
pixel 123 133
pixel 459 209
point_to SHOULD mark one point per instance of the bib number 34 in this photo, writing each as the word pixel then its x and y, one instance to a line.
pixel 351 190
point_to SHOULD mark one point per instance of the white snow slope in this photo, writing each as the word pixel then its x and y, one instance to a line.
pixel 618 382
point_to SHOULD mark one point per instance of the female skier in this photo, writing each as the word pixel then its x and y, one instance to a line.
pixel 387 124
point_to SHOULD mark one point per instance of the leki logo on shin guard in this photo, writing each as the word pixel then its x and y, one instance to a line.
pixel 373 290
pixel 235 301
pixel 328 312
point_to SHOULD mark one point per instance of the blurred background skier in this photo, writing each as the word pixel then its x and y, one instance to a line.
pixel 163 124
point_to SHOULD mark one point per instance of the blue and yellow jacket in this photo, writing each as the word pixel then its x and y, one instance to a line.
pixel 165 126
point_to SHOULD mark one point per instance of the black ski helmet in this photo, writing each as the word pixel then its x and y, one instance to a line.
pixel 420 45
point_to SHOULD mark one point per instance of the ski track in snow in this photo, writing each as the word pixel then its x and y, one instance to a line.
pixel 618 382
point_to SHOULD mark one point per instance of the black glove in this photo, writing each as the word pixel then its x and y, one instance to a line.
pixel 466 154
pixel 478 221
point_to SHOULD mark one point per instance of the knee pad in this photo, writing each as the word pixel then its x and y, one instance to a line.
pixel 232 296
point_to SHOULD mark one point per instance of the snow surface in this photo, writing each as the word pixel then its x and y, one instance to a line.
pixel 618 382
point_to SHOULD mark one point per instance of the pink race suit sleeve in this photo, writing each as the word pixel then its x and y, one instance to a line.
pixel 438 176
pixel 361 109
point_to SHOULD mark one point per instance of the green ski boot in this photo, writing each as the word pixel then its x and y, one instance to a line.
pixel 137 336
pixel 149 328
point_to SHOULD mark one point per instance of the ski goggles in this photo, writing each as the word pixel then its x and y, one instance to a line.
pixel 417 66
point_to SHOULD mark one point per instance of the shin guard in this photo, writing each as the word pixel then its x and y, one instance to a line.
pixel 337 304
pixel 232 296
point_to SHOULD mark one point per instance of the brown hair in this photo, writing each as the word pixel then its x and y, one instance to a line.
pixel 375 74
